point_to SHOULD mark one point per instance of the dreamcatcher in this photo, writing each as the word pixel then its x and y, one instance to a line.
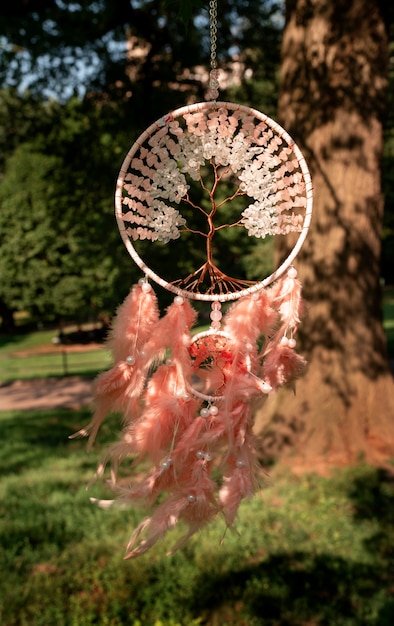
pixel 188 399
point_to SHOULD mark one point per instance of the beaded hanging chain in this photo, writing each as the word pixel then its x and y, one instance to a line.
pixel 188 399
pixel 213 91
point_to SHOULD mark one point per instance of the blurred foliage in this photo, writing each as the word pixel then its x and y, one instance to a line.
pixel 54 47
pixel 61 255
pixel 75 95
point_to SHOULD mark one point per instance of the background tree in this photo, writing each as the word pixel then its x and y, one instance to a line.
pixel 58 255
pixel 129 65
pixel 137 58
pixel 334 80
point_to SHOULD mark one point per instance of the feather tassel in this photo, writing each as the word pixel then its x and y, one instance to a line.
pixel 188 404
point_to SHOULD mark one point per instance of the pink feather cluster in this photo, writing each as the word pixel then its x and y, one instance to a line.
pixel 188 403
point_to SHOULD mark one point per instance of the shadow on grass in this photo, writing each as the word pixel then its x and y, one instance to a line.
pixel 298 588
pixel 30 437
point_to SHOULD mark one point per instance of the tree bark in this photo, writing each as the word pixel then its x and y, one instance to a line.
pixel 334 68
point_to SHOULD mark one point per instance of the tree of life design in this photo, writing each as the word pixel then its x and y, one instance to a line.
pixel 216 148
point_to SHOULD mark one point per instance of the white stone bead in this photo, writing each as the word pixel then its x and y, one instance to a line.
pixel 130 360
pixel 266 387
pixel 292 273
pixel 284 341
pixel 200 454
pixel 166 463
pixel 191 498
pixel 204 412
pixel 240 463
pixel 292 343
pixel 208 457
pixel 213 410
pixel 215 316
pixel 178 300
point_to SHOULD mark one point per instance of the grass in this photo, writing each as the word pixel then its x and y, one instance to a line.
pixel 309 550
pixel 33 355
pixel 16 363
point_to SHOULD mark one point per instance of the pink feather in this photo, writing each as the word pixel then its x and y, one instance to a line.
pixel 134 322
pixel 173 331
pixel 239 485
pixel 165 415
pixel 288 300
pixel 282 365
pixel 251 317
pixel 155 391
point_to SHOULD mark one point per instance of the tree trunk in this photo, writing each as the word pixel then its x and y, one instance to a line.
pixel 334 68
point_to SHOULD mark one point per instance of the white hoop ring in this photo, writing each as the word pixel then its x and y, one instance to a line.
pixel 225 297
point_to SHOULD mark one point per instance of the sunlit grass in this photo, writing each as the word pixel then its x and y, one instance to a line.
pixel 307 550
pixel 33 355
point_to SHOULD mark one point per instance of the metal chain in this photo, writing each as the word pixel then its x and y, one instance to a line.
pixel 213 91
pixel 213 27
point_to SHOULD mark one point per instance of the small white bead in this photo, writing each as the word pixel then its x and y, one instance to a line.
pixel 130 360
pixel 284 341
pixel 292 343
pixel 213 410
pixel 191 498
pixel 292 273
pixel 266 387
pixel 145 286
pixel 166 464
pixel 186 397
pixel 178 300
pixel 204 412
pixel 169 361
pixel 208 457
pixel 200 454
pixel 179 393
pixel 240 463
pixel 248 347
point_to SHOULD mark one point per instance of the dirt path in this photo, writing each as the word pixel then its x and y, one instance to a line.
pixel 72 392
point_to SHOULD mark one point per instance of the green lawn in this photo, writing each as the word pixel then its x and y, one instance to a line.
pixel 309 551
pixel 16 363
pixel 18 359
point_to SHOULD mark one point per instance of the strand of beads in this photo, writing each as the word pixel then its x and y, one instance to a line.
pixel 210 410
pixel 216 315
